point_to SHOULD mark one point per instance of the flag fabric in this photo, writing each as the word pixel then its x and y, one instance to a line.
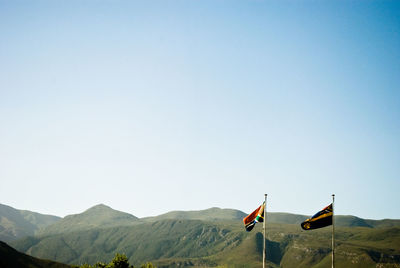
pixel 321 219
pixel 254 217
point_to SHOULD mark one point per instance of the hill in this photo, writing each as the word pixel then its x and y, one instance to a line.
pixel 173 243
pixel 16 223
pixel 218 214
pixel 11 258
pixel 212 237
pixel 99 216
pixel 191 241
pixel 353 221
pixel 211 214
pixel 383 223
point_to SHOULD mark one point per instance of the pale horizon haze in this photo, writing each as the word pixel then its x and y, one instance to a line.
pixel 154 106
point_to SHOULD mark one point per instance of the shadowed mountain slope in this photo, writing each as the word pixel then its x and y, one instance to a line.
pixel 10 258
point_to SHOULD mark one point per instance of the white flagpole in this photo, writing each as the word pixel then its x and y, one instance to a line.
pixel 333 230
pixel 264 228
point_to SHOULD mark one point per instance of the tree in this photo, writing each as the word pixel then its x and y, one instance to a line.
pixel 100 265
pixel 147 265
pixel 119 261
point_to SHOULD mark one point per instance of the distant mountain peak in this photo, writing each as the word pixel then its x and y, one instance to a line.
pixel 214 213
pixel 214 208
pixel 99 207
pixel 98 216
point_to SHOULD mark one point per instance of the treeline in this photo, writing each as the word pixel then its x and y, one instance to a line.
pixel 119 261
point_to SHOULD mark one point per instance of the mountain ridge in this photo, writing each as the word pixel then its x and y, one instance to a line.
pixel 172 243
pixel 15 223
pixel 211 237
pixel 213 213
pixel 105 217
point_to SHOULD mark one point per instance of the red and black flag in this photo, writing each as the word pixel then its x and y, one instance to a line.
pixel 254 217
pixel 321 219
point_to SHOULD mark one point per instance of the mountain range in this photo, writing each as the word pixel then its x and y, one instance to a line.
pixel 16 223
pixel 207 238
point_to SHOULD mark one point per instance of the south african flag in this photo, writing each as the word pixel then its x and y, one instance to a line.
pixel 254 217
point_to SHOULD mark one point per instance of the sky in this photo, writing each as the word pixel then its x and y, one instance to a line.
pixel 154 106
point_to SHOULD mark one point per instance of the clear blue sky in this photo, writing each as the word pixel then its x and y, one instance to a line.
pixel 153 106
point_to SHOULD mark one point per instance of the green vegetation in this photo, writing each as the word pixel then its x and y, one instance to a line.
pixel 100 216
pixel 211 214
pixel 212 238
pixel 177 243
pixel 15 224
pixel 218 214
pixel 119 261
pixel 11 258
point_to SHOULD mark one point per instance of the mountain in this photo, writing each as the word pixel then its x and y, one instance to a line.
pixel 173 243
pixel 340 220
pixel 211 214
pixel 285 218
pixel 383 223
pixel 11 258
pixel 212 237
pixel 191 241
pixel 218 214
pixel 99 216
pixel 16 223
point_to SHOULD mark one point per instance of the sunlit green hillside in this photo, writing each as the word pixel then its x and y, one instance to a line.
pixel 213 238
pixel 16 223
pixel 193 242
pixel 100 216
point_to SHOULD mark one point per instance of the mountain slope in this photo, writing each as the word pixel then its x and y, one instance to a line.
pixel 383 223
pixel 16 223
pixel 11 258
pixel 173 243
pixel 286 218
pixel 340 220
pixel 143 242
pixel 218 214
pixel 99 216
pixel 209 238
pixel 211 214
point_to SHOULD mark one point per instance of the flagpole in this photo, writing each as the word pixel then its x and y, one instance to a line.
pixel 333 230
pixel 264 228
